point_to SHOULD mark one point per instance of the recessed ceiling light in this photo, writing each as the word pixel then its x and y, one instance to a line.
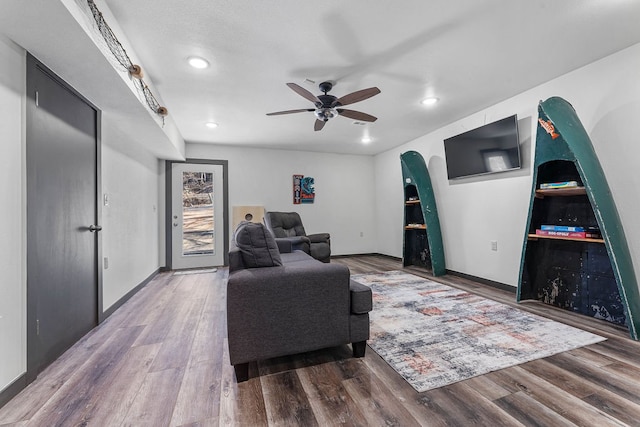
pixel 430 101
pixel 197 62
pixel 211 125
pixel 366 140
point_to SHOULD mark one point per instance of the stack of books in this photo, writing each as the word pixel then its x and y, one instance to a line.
pixel 570 231
pixel 563 184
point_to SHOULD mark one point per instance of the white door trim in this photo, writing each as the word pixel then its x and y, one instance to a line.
pixel 222 223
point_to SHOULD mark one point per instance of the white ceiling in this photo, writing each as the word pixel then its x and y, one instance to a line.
pixel 469 53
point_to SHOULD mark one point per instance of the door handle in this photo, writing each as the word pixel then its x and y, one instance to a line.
pixel 94 228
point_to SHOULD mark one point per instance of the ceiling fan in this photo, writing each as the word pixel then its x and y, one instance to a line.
pixel 329 106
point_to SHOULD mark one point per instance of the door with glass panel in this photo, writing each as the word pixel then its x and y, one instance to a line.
pixel 197 220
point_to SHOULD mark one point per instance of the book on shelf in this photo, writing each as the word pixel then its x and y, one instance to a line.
pixel 562 228
pixel 570 234
pixel 561 184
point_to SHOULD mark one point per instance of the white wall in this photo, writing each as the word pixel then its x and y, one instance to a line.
pixel 474 211
pixel 130 238
pixel 12 214
pixel 344 187
pixel 130 176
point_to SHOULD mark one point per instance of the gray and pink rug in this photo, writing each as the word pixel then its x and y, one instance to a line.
pixel 434 335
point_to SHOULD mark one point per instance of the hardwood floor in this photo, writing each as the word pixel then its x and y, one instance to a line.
pixel 161 360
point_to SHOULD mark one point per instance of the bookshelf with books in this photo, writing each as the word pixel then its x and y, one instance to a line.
pixel 575 255
pixel 569 223
pixel 422 241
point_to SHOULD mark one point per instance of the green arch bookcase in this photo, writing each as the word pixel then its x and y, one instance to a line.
pixel 422 245
pixel 593 276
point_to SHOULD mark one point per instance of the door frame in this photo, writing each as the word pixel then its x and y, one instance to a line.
pixel 169 205
pixel 34 65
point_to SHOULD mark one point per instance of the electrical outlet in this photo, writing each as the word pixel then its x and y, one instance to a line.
pixel 494 245
pixel 361 234
pixel 106 263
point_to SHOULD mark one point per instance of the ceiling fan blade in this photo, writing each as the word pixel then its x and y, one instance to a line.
pixel 319 124
pixel 357 115
pixel 302 110
pixel 358 96
pixel 303 92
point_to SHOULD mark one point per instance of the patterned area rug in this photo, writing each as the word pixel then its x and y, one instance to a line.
pixel 434 335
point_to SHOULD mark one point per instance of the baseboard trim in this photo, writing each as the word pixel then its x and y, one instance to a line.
pixel 13 389
pixel 127 296
pixel 367 254
pixel 493 284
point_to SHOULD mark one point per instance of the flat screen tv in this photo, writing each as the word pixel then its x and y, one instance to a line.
pixel 488 149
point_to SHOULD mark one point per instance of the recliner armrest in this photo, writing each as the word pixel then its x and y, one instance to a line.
pixel 285 245
pixel 319 237
pixel 295 243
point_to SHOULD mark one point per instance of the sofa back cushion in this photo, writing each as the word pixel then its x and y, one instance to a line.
pixel 257 246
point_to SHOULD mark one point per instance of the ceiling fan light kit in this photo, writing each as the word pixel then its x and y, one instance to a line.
pixel 325 114
pixel 328 106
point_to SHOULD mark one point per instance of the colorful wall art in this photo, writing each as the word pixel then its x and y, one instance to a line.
pixel 303 190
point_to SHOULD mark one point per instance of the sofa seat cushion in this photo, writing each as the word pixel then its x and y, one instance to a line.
pixel 297 257
pixel 361 298
pixel 257 246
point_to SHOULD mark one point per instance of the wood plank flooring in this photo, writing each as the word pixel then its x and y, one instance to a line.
pixel 162 360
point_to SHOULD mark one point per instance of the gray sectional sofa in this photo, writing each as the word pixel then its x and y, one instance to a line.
pixel 282 302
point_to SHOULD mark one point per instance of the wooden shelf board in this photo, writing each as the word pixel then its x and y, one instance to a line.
pixel 412 202
pixel 574 191
pixel 537 236
pixel 419 227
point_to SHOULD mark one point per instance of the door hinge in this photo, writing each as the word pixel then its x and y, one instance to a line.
pixel 37 326
pixel 37 99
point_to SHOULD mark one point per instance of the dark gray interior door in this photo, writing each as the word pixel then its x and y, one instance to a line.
pixel 62 280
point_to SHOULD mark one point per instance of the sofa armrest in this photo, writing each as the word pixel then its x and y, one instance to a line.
pixel 361 298
pixel 235 259
pixel 319 237
pixel 285 310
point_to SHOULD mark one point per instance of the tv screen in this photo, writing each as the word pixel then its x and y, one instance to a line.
pixel 488 149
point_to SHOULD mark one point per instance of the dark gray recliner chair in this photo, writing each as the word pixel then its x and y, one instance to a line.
pixel 288 225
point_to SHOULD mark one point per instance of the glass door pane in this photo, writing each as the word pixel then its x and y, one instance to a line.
pixel 197 213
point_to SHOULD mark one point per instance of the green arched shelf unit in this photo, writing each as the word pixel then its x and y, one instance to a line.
pixel 422 236
pixel 593 276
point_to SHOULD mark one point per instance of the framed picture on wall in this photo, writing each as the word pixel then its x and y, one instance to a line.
pixel 303 189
